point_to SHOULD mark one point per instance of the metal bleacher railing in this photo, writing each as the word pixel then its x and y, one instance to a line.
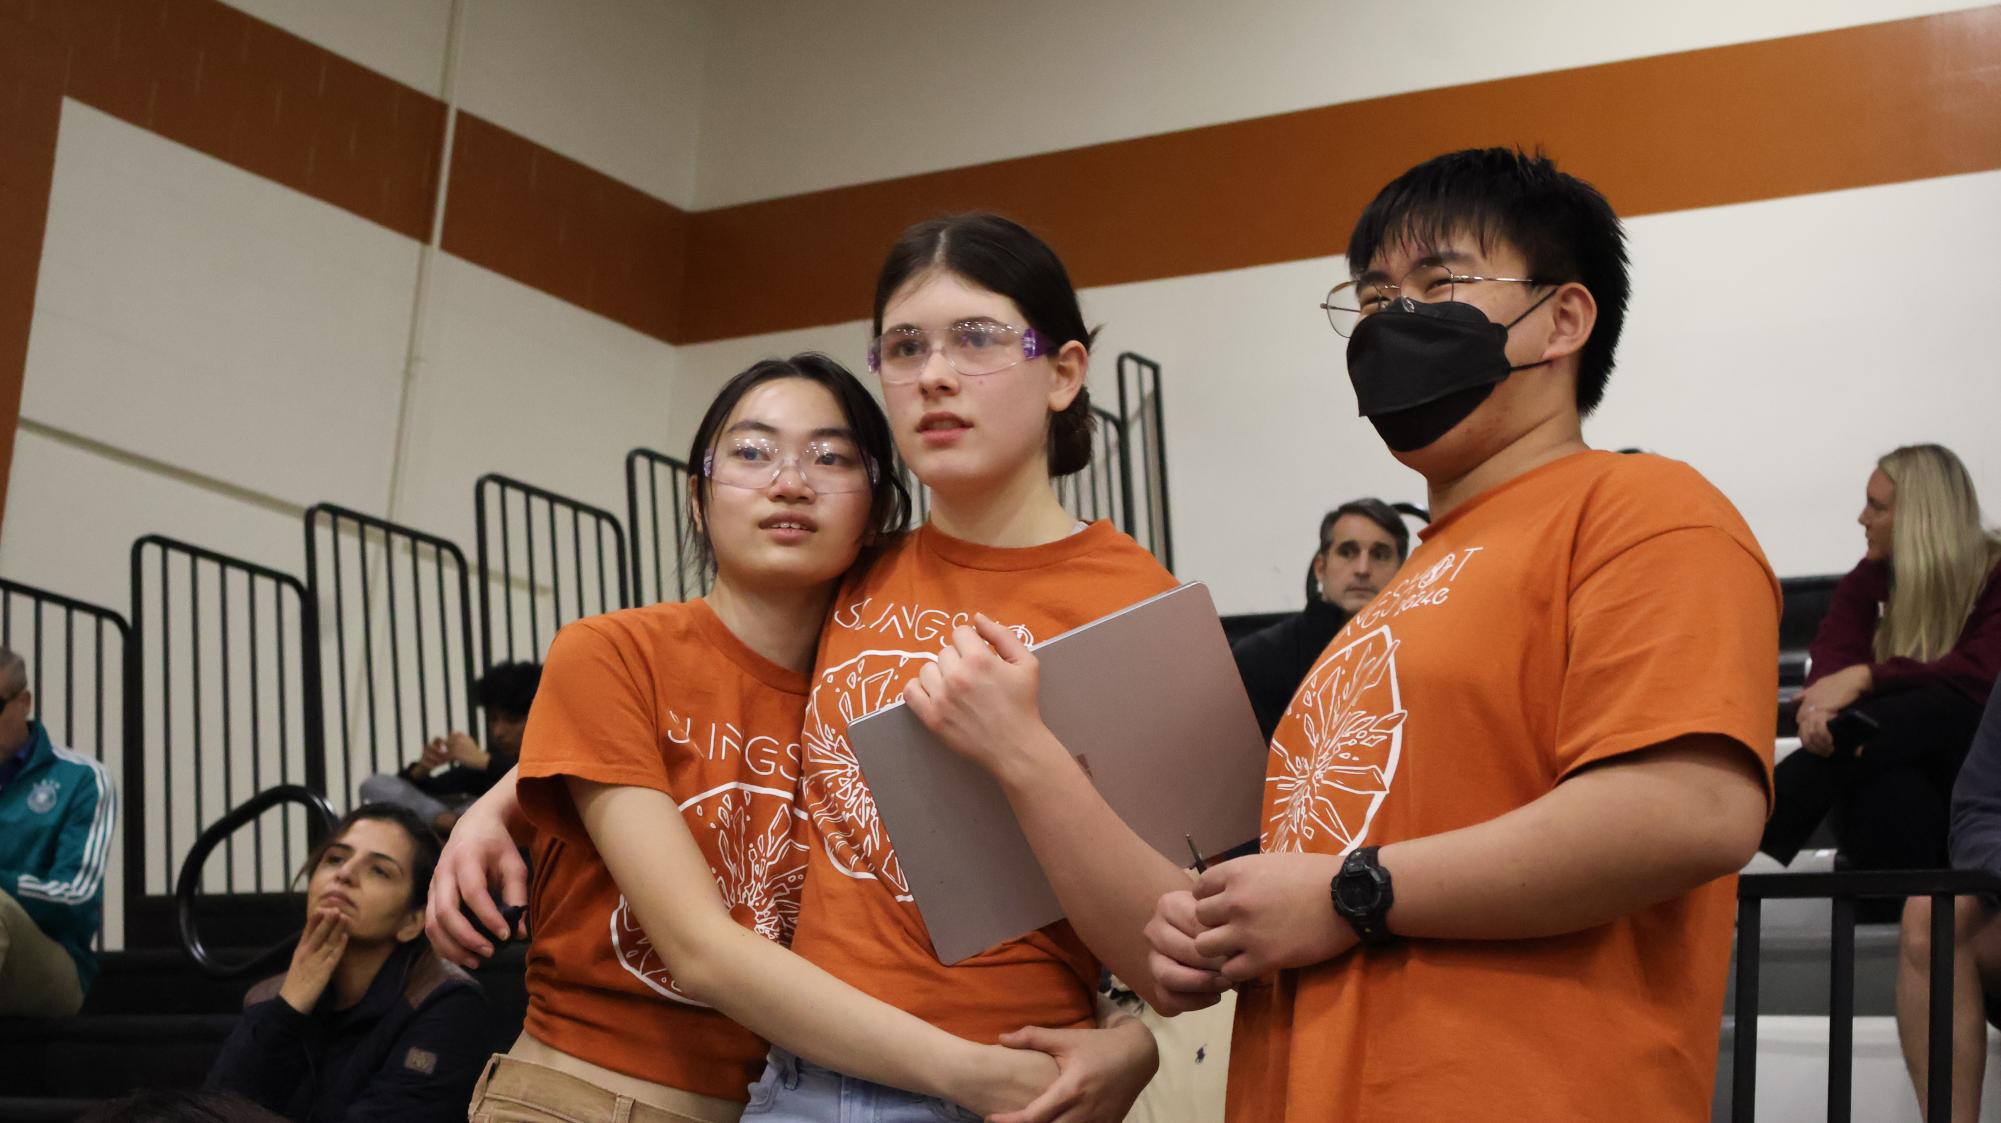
pixel 522 531
pixel 72 667
pixel 1843 888
pixel 656 499
pixel 226 678
pixel 368 577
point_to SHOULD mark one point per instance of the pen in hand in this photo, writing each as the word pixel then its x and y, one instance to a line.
pixel 1201 863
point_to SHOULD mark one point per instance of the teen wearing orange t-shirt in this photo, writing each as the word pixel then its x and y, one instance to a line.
pixel 982 352
pixel 1522 775
pixel 660 772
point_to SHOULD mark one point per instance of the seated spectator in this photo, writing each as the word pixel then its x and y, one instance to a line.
pixel 57 814
pixel 1976 845
pixel 367 1024
pixel 1361 545
pixel 504 694
pixel 1900 668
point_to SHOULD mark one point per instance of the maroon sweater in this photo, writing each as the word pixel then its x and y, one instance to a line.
pixel 1848 633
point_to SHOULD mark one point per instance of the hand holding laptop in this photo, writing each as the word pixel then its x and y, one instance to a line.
pixel 980 699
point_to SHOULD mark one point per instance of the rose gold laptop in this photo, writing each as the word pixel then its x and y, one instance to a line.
pixel 1149 701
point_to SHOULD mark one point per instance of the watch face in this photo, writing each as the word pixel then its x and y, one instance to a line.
pixel 1357 893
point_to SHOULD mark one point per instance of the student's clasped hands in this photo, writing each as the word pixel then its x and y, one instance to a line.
pixel 1244 919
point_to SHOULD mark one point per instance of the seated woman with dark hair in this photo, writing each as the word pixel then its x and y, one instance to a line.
pixel 368 1023
pixel 1901 666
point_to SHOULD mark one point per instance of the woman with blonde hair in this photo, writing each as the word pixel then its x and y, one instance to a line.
pixel 1899 671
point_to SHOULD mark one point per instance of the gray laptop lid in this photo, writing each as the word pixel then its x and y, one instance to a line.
pixel 1150 702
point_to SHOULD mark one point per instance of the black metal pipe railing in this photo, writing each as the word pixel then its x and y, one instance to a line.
pixel 1146 427
pixel 199 615
pixel 411 618
pixel 544 518
pixel 101 676
pixel 319 819
pixel 651 480
pixel 1843 888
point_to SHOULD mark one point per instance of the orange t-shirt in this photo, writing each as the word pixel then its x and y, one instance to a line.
pixel 1595 606
pixel 857 920
pixel 663 697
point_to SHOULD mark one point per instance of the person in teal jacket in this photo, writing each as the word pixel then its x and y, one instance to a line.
pixel 58 811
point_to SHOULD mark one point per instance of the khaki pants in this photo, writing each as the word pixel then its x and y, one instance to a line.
pixel 517 1091
pixel 37 977
pixel 1194 1065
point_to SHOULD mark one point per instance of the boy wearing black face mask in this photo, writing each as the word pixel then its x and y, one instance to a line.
pixel 1502 810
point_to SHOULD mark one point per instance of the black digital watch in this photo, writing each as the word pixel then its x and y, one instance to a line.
pixel 1363 896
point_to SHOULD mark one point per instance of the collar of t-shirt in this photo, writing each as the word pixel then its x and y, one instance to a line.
pixel 1086 538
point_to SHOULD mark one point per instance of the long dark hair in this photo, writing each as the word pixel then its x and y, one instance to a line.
pixel 889 501
pixel 1003 257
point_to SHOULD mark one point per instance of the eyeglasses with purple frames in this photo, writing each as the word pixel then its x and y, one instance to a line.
pixel 972 347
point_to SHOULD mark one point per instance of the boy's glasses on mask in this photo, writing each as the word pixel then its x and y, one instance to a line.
pixel 828 467
pixel 972 347
pixel 1351 302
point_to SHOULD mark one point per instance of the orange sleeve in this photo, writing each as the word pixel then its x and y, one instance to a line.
pixel 1675 635
pixel 592 719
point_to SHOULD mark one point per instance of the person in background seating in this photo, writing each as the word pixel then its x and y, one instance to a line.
pixel 367 1024
pixel 1900 668
pixel 58 812
pixel 1975 845
pixel 1362 542
pixel 504 694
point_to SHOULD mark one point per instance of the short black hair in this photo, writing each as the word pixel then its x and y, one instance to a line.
pixel 424 844
pixel 889 500
pixel 1564 229
pixel 1376 511
pixel 508 688
pixel 1005 257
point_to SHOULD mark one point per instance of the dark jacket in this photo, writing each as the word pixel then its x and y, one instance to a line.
pixel 1848 632
pixel 408 1052
pixel 1976 798
pixel 1274 660
pixel 461 781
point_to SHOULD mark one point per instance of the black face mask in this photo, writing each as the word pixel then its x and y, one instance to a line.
pixel 1420 369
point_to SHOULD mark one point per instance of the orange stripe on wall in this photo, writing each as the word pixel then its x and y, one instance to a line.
pixel 1884 103
pixel 31 69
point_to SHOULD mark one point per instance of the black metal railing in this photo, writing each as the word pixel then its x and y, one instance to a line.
pixel 656 500
pixel 555 557
pixel 80 658
pixel 1843 888
pixel 319 818
pixel 1103 489
pixel 395 608
pixel 227 703
pixel 1145 431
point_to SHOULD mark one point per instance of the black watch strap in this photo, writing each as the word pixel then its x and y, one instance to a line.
pixel 1363 894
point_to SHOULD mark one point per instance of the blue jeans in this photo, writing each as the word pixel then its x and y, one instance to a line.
pixel 793 1091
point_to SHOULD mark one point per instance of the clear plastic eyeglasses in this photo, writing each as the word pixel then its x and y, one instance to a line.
pixel 973 347
pixel 829 467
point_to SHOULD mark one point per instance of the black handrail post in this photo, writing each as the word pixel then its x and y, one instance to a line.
pixel 1744 1047
pixel 1938 1081
pixel 1841 1013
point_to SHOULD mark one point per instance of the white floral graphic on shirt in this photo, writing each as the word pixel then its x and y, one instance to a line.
pixel 1332 768
pixel 758 864
pixel 834 792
